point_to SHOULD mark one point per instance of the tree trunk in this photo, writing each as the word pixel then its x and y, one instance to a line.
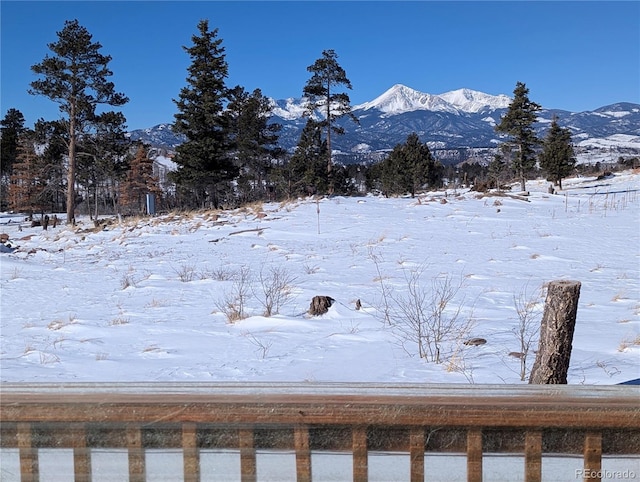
pixel 556 333
pixel 523 181
pixel 71 174
pixel 329 161
pixel 95 200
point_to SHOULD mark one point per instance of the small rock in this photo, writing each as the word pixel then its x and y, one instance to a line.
pixel 475 342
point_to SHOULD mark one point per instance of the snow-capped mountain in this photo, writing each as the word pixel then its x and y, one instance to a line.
pixel 457 120
pixel 288 109
pixel 400 99
pixel 473 102
pixel 159 136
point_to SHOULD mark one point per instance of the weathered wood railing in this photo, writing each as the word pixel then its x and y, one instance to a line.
pixel 414 419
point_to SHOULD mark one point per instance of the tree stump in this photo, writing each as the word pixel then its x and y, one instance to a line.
pixel 556 333
pixel 320 305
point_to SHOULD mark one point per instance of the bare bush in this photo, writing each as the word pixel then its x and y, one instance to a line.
pixel 220 274
pixel 186 273
pixel 263 347
pixel 311 269
pixel 274 289
pixel 427 319
pixel 529 309
pixel 385 291
pixel 127 281
pixel 234 302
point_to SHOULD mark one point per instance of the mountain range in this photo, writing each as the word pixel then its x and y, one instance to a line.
pixel 452 124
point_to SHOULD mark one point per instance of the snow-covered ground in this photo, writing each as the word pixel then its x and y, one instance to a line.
pixel 145 299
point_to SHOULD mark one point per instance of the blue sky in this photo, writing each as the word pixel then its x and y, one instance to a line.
pixel 572 55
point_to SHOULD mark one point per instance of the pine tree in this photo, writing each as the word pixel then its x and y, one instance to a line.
pixel 333 105
pixel 12 126
pixel 307 169
pixel 139 182
pixel 518 124
pixel 204 161
pixel 76 77
pixel 26 177
pixel 102 158
pixel 557 157
pixel 254 140
pixel 496 170
pixel 51 139
pixel 409 167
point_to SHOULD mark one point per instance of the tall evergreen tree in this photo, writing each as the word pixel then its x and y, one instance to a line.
pixel 306 170
pixel 139 182
pixel 557 157
pixel 76 77
pixel 11 128
pixel 102 159
pixel 36 177
pixel 332 104
pixel 204 161
pixel 24 186
pixel 518 124
pixel 496 170
pixel 409 167
pixel 51 139
pixel 254 140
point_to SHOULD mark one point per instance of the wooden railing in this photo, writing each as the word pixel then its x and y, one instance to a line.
pixel 357 419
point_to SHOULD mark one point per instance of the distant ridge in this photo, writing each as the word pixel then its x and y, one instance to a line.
pixel 453 121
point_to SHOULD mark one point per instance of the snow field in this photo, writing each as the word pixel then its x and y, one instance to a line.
pixel 145 299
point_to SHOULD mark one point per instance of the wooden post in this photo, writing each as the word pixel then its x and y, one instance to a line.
pixel 28 454
pixel 593 457
pixel 556 333
pixel 81 453
pixel 416 453
pixel 533 456
pixel 303 453
pixel 137 468
pixel 474 455
pixel 248 468
pixel 191 454
pixel 360 455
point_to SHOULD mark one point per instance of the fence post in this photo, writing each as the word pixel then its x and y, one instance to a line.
pixel 137 468
pixel 190 452
pixel 303 453
pixel 360 454
pixel 81 453
pixel 28 454
pixel 474 455
pixel 416 451
pixel 248 469
pixel 533 456
pixel 593 457
pixel 556 333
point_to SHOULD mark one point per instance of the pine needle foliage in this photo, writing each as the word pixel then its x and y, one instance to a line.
pixel 324 96
pixel 204 161
pixel 517 123
pixel 557 157
pixel 76 77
